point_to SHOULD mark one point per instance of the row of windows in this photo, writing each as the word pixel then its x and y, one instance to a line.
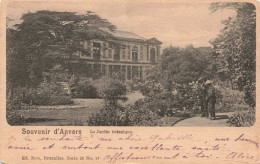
pixel 109 45
pixel 129 54
pixel 96 55
pixel 127 51
pixel 134 48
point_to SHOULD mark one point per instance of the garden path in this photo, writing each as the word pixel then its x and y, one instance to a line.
pixel 220 121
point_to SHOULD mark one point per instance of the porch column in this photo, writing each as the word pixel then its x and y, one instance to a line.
pixel 126 72
pixel 101 71
pixel 107 69
pixel 138 70
pixel 131 72
pixel 73 69
pixel 144 70
pixel 113 69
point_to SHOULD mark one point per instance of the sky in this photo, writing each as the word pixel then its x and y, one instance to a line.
pixel 173 23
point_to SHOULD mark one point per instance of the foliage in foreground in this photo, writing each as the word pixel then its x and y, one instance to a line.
pixel 14 119
pixel 113 114
pixel 243 118
pixel 143 113
pixel 111 90
pixel 136 115
pixel 11 115
pixel 108 116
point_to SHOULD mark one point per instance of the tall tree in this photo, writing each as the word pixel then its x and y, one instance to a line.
pixel 168 85
pixel 44 37
pixel 236 47
pixel 185 65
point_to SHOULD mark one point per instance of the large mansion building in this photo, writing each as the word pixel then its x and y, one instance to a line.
pixel 132 57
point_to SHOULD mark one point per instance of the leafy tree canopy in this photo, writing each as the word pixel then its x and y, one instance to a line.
pixel 43 38
pixel 184 65
pixel 235 47
pixel 61 31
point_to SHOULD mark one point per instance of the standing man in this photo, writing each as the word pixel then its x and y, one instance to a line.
pixel 212 101
pixel 206 92
pixel 203 98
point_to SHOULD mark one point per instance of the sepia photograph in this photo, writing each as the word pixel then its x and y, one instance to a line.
pixel 147 63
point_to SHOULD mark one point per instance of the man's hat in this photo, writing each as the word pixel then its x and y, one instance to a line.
pixel 208 82
pixel 200 79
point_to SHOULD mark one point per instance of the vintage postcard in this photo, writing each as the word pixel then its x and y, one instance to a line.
pixel 120 81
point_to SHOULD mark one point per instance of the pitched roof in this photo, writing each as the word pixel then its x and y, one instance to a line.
pixel 128 35
pixel 154 40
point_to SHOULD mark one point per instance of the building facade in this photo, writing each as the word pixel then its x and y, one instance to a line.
pixel 131 56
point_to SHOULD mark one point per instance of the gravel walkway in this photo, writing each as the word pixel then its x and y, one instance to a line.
pixel 221 121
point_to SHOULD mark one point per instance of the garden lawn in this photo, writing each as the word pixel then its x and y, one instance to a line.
pixel 65 116
pixel 68 115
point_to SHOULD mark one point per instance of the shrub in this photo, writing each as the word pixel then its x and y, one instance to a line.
pixel 129 85
pixel 140 114
pixel 87 91
pixel 13 103
pixel 112 89
pixel 136 115
pixel 230 100
pixel 76 122
pixel 250 94
pixel 157 106
pixel 230 97
pixel 186 97
pixel 83 88
pixel 14 119
pixel 134 84
pixel 157 98
pixel 112 114
pixel 49 94
pixel 232 108
pixel 109 116
pixel 52 100
pixel 11 115
pixel 242 118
